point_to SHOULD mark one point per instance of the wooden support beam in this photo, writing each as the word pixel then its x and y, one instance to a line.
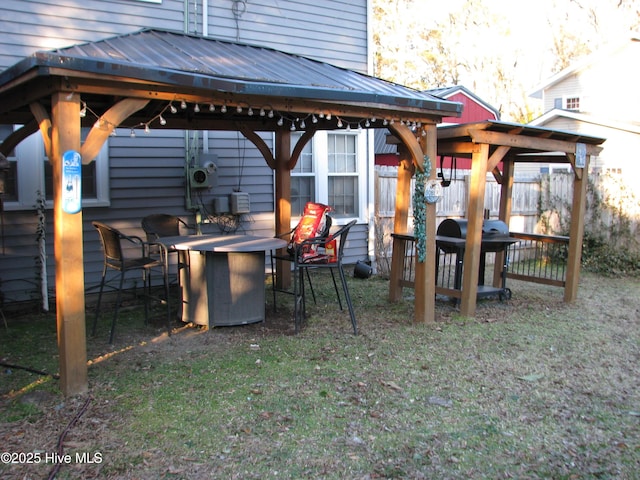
pixel 260 144
pixel 505 215
pixel 576 232
pixel 68 246
pixel 105 125
pixel 527 142
pixel 475 216
pixel 17 136
pixel 406 169
pixel 497 157
pixel 425 282
pixel 300 144
pixel 408 138
pixel 44 124
pixel 283 200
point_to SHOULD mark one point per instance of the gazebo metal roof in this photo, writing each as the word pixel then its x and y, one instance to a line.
pixel 196 68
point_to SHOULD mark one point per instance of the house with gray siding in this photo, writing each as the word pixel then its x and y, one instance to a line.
pixel 142 172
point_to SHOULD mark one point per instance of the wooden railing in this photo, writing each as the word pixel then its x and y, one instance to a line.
pixel 539 258
pixel 533 258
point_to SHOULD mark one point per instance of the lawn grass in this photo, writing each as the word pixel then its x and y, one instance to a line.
pixel 530 388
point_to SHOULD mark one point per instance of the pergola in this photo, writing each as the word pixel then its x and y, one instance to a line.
pixel 495 147
pixel 138 80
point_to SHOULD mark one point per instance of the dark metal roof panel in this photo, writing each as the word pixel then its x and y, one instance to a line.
pixel 166 52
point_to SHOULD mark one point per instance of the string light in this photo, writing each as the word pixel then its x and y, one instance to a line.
pixel 293 122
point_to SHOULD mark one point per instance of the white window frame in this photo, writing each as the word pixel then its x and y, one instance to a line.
pixel 30 156
pixel 320 149
pixel 565 102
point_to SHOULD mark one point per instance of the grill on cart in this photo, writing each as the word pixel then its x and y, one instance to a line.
pixel 451 242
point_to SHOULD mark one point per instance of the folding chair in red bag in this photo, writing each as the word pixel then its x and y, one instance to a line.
pixel 314 223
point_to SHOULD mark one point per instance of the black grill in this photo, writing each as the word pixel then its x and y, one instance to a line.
pixel 495 238
pixel 457 228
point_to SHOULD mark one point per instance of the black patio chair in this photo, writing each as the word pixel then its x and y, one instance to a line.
pixel 305 262
pixel 117 257
pixel 158 225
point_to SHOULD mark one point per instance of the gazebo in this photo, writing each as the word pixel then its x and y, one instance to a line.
pixel 137 79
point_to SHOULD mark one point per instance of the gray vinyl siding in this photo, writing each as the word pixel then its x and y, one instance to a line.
pixel 332 31
pixel 147 173
pixel 31 25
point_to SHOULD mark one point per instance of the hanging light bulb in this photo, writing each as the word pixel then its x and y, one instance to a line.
pixel 212 107
pixel 162 120
pixel 146 128
pixel 133 133
pixel 385 122
pixel 293 127
pixel 250 112
pixel 173 108
pixel 302 124
pixel 348 127
pixel 196 108
pixel 270 114
pixel 280 122
pixel 223 108
pixel 339 122
pixel 239 109
pixel 83 112
pixel 366 123
pixel 314 119
pixel 328 115
pixel 183 105
pixel 262 112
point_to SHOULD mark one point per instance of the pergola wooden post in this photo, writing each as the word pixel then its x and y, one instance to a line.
pixel 475 216
pixel 576 230
pixel 506 189
pixel 70 302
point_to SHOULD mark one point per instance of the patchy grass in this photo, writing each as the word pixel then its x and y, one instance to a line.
pixel 531 388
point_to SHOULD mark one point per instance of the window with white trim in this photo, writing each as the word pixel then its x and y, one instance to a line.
pixel 331 170
pixel 30 172
pixel 572 103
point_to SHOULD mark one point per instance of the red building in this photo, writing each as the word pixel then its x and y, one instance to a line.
pixel 474 110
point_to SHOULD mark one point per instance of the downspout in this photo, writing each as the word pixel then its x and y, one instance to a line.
pixel 205 33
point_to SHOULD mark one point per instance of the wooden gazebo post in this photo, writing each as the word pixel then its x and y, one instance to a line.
pixel 70 302
pixel 475 216
pixel 425 274
pixel 576 230
pixel 283 198
pixel 406 169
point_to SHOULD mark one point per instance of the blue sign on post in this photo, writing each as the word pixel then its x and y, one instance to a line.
pixel 71 181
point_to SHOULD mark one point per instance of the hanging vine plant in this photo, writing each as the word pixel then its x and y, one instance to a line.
pixel 420 211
